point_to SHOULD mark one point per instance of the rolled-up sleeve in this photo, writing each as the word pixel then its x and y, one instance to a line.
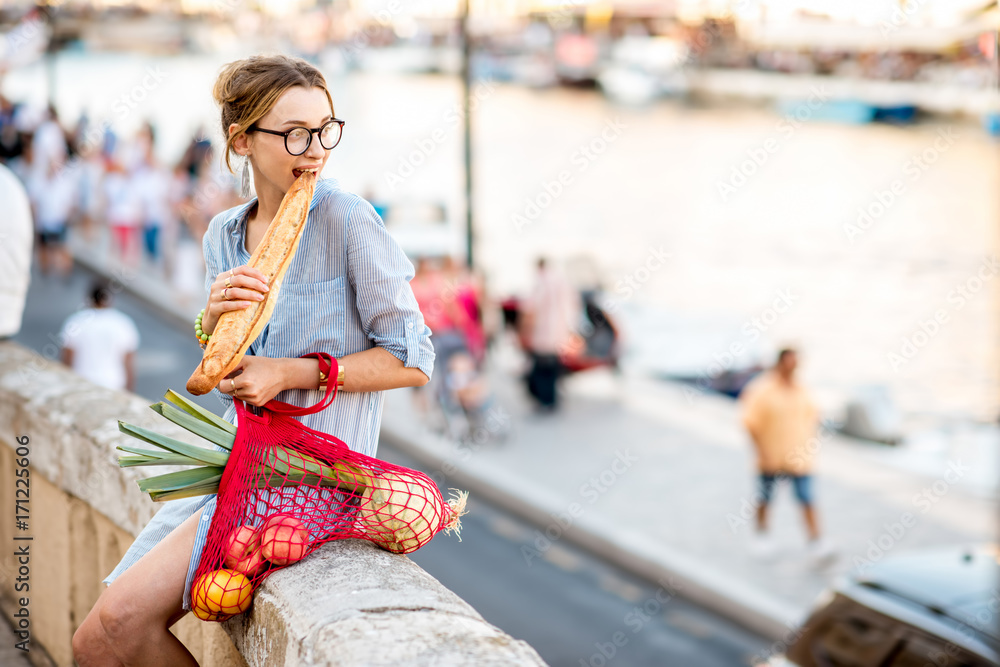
pixel 380 274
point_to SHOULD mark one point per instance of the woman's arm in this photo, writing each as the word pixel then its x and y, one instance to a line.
pixel 372 370
pixel 380 274
pixel 376 370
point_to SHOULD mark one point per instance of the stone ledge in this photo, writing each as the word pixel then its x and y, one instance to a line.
pixel 354 604
pixel 73 426
pixel 350 603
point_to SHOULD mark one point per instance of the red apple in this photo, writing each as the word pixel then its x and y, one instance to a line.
pixel 284 539
pixel 243 551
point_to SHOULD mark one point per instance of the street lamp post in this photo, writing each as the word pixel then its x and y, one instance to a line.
pixel 467 130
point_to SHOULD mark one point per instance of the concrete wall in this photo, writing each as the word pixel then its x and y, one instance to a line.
pixel 350 603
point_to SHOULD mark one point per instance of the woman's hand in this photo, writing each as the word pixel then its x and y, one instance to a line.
pixel 257 380
pixel 245 285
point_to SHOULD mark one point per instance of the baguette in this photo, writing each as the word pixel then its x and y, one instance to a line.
pixel 237 329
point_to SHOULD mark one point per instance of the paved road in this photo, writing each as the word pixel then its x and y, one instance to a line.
pixel 569 606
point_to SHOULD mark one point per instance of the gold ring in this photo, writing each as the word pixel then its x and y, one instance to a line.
pixel 233 382
pixel 224 294
pixel 228 284
pixel 231 272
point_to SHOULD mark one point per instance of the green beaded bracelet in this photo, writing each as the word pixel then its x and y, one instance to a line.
pixel 198 333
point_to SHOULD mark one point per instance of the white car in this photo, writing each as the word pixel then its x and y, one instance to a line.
pixel 925 609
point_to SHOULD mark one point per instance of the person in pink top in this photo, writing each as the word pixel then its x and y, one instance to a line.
pixel 124 211
pixel 548 327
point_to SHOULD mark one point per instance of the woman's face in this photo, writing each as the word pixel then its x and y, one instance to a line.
pixel 274 168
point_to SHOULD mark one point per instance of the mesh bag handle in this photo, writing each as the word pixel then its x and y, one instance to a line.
pixel 328 365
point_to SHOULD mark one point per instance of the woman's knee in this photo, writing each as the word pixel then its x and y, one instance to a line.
pixel 83 640
pixel 119 622
pixel 90 645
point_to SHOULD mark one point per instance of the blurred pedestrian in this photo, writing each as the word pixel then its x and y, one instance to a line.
pixel 11 139
pixel 436 300
pixel 90 168
pixel 782 419
pixel 124 211
pixel 466 293
pixel 99 342
pixel 547 320
pixel 153 188
pixel 197 155
pixel 15 252
pixel 49 145
pixel 55 196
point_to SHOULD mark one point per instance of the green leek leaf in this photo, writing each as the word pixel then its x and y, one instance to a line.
pixel 203 455
pixel 201 413
pixel 213 434
pixel 174 481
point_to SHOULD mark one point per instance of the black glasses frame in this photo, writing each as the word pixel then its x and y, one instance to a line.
pixel 315 130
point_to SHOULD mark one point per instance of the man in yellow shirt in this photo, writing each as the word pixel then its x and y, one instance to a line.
pixel 782 419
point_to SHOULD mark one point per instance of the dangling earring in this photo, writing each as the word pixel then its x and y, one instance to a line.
pixel 245 179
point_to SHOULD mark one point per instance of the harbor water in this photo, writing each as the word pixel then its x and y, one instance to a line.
pixel 719 232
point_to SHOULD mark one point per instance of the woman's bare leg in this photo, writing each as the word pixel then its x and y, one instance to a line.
pixel 128 625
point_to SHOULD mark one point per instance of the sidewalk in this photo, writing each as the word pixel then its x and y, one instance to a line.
pixel 661 483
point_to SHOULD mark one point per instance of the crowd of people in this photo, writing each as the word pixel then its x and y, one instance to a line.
pixel 114 193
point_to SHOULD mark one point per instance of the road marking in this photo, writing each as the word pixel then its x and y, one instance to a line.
pixel 688 624
pixel 509 529
pixel 563 558
pixel 618 586
pixel 156 361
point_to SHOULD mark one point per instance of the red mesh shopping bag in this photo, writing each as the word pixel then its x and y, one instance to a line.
pixel 287 489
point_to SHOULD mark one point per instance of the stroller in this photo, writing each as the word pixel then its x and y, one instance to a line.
pixel 462 405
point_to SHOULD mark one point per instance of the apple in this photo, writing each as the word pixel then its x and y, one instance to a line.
pixel 284 539
pixel 243 552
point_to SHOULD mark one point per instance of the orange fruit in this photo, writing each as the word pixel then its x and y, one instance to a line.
pixel 203 614
pixel 222 593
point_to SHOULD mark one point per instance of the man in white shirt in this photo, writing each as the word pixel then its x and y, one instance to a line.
pixel 56 198
pixel 99 343
pixel 15 251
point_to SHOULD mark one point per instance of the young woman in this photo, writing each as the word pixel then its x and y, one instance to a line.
pixel 346 292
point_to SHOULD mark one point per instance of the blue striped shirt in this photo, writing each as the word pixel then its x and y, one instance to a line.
pixel 346 290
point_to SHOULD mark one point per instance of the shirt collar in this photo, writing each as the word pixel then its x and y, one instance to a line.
pixel 237 217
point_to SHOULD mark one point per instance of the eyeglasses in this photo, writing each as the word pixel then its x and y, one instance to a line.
pixel 298 139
